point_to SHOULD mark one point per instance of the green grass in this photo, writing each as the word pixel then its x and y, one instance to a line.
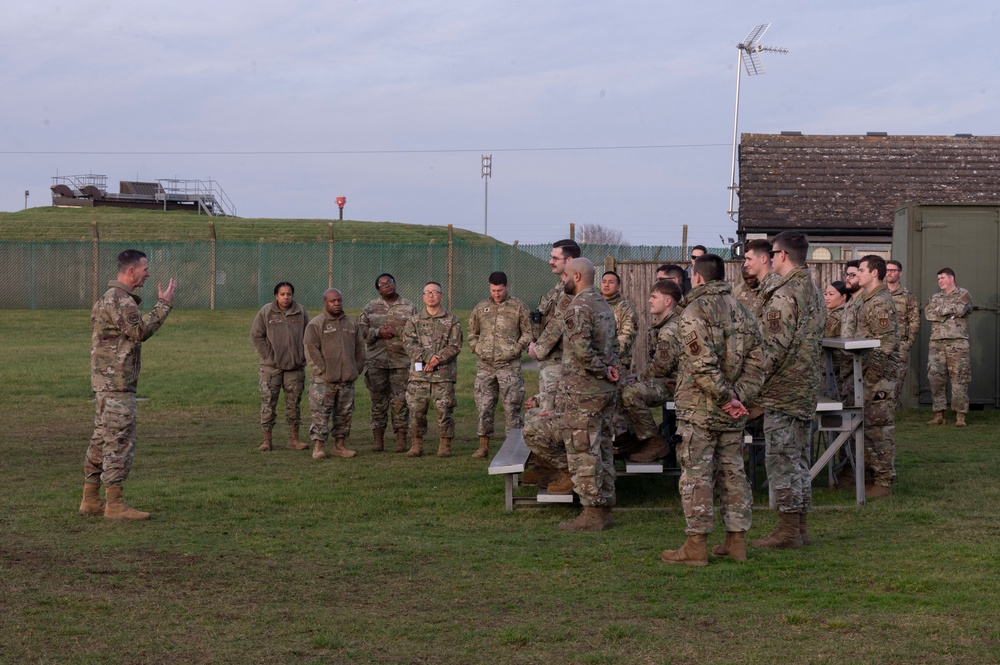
pixel 275 558
pixel 46 224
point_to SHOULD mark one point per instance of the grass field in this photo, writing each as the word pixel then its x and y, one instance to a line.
pixel 275 558
pixel 46 224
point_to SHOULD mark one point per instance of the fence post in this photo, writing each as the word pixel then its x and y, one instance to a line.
pixel 572 231
pixel 451 266
pixel 94 250
pixel 684 242
pixel 211 286
pixel 329 259
pixel 609 264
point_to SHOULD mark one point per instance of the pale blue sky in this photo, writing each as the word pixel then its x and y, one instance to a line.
pixel 397 101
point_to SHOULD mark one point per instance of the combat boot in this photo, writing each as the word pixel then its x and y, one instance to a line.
pixel 417 448
pixel 804 529
pixel 735 546
pixel 562 483
pixel 959 420
pixel 293 439
pixel 378 440
pixel 694 552
pixel 91 504
pixel 938 418
pixel 484 448
pixel 266 446
pixel 652 449
pixel 401 441
pixel 340 450
pixel 542 474
pixel 117 509
pixel 785 536
pixel 877 491
pixel 318 450
pixel 590 518
pixel 444 447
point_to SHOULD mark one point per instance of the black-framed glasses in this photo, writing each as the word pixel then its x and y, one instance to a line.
pixel 776 251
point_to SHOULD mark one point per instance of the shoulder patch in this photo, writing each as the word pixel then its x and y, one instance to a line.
pixel 690 337
pixel 133 318
pixel 773 321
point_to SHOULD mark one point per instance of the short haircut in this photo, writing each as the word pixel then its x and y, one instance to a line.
pixel 498 278
pixel 701 247
pixel 852 264
pixel 757 246
pixel 612 272
pixel 130 258
pixel 673 271
pixel 385 274
pixel 894 262
pixel 277 287
pixel 946 271
pixel 569 248
pixel 841 288
pixel 667 288
pixel 711 267
pixel 876 264
pixel 795 244
pixel 437 284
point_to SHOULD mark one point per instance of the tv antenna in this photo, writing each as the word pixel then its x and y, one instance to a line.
pixel 749 57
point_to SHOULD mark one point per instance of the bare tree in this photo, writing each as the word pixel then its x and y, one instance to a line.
pixel 598 234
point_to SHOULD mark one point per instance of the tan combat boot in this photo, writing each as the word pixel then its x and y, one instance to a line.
pixel 340 450
pixel 694 552
pixel 877 491
pixel 444 447
pixel 318 450
pixel 804 529
pixel 293 439
pixel 484 448
pixel 417 447
pixel 91 504
pixel 401 441
pixel 562 483
pixel 117 509
pixel 378 440
pixel 785 536
pixel 959 420
pixel 652 449
pixel 542 473
pixel 735 546
pixel 590 518
pixel 266 446
pixel 938 418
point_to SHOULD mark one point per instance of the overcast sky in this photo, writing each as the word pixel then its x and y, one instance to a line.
pixel 595 112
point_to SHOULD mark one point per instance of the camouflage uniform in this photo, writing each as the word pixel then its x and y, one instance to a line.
pixel 626 327
pixel 876 319
pixel 424 336
pixel 589 348
pixel 948 314
pixel 908 320
pixel 119 331
pixel 792 324
pixel 277 337
pixel 548 337
pixel 335 350
pixel 721 358
pixel 543 434
pixel 843 364
pixel 753 299
pixel 498 334
pixel 655 385
pixel 387 365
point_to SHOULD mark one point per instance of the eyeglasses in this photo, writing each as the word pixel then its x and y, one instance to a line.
pixel 432 293
pixel 776 251
pixel 382 285
pixel 892 270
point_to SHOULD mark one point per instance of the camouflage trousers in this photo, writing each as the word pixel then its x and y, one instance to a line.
pixel 549 376
pixel 272 380
pixel 949 359
pixel 786 458
pixel 112 446
pixel 331 402
pixel 589 448
pixel 543 436
pixel 388 390
pixel 419 395
pixel 880 431
pixel 904 365
pixel 639 398
pixel 496 381
pixel 710 462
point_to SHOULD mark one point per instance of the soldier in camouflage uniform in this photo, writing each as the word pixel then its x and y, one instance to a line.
pixel 626 320
pixel 433 339
pixel 854 289
pixel 876 319
pixel 948 312
pixel 745 291
pixel 792 325
pixel 655 385
pixel 277 334
pixel 836 298
pixel 499 331
pixel 907 317
pixel 720 369
pixel 757 264
pixel 589 373
pixel 547 319
pixel 335 348
pixel 386 364
pixel 119 328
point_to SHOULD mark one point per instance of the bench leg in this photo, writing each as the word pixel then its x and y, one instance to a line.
pixel 508 487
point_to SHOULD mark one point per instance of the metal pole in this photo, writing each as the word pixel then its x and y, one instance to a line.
pixel 211 289
pixel 572 231
pixel 451 265
pixel 736 120
pixel 486 204
pixel 329 260
pixel 94 250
